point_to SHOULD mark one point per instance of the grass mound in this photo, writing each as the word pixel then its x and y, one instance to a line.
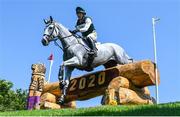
pixel 169 109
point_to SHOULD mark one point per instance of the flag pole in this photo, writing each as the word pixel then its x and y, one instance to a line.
pixel 50 67
pixel 154 20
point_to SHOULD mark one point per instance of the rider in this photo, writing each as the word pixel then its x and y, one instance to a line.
pixel 85 26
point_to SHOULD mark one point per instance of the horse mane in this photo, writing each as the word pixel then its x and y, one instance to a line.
pixel 61 26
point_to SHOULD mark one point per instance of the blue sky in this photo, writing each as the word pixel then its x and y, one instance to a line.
pixel 125 22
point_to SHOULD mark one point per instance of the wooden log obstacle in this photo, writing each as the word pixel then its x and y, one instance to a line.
pixel 122 84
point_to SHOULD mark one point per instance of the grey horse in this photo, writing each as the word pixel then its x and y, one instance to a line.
pixel 76 53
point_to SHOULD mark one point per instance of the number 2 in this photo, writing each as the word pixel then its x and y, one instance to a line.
pixel 72 88
pixel 92 79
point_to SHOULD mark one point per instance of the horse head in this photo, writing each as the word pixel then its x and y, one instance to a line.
pixel 51 31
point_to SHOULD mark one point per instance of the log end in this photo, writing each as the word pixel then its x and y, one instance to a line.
pixel 141 73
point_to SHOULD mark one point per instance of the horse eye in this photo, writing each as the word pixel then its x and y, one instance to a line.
pixel 50 28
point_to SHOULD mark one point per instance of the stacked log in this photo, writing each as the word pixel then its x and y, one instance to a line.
pixel 122 84
pixel 50 101
pixel 132 78
pixel 131 86
pixel 122 91
pixel 48 97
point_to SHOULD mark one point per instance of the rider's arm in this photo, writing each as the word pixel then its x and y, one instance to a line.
pixel 84 27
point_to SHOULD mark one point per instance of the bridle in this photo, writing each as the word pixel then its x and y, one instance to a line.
pixel 55 39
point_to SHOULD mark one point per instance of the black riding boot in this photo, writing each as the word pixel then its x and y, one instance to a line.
pixel 92 46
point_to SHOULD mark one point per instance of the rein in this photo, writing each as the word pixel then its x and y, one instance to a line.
pixel 55 40
pixel 57 44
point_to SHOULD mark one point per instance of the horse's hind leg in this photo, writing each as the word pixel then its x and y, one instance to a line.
pixel 121 56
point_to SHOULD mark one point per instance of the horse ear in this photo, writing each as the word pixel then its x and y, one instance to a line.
pixel 45 21
pixel 51 19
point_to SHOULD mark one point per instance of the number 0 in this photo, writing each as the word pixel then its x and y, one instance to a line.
pixel 82 83
pixel 101 78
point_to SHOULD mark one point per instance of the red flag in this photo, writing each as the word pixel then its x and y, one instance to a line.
pixel 51 57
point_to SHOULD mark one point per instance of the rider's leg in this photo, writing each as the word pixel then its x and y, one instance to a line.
pixel 92 45
pixel 91 39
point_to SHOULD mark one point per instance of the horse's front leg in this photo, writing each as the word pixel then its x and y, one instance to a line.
pixel 74 61
pixel 61 76
pixel 68 67
pixel 65 83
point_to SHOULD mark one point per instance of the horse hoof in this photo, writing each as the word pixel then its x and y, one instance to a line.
pixel 61 100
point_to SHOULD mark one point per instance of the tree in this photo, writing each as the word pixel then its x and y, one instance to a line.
pixel 9 99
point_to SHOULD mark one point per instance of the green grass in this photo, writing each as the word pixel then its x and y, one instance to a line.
pixel 161 109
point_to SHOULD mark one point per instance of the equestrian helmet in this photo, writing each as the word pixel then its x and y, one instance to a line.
pixel 80 10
